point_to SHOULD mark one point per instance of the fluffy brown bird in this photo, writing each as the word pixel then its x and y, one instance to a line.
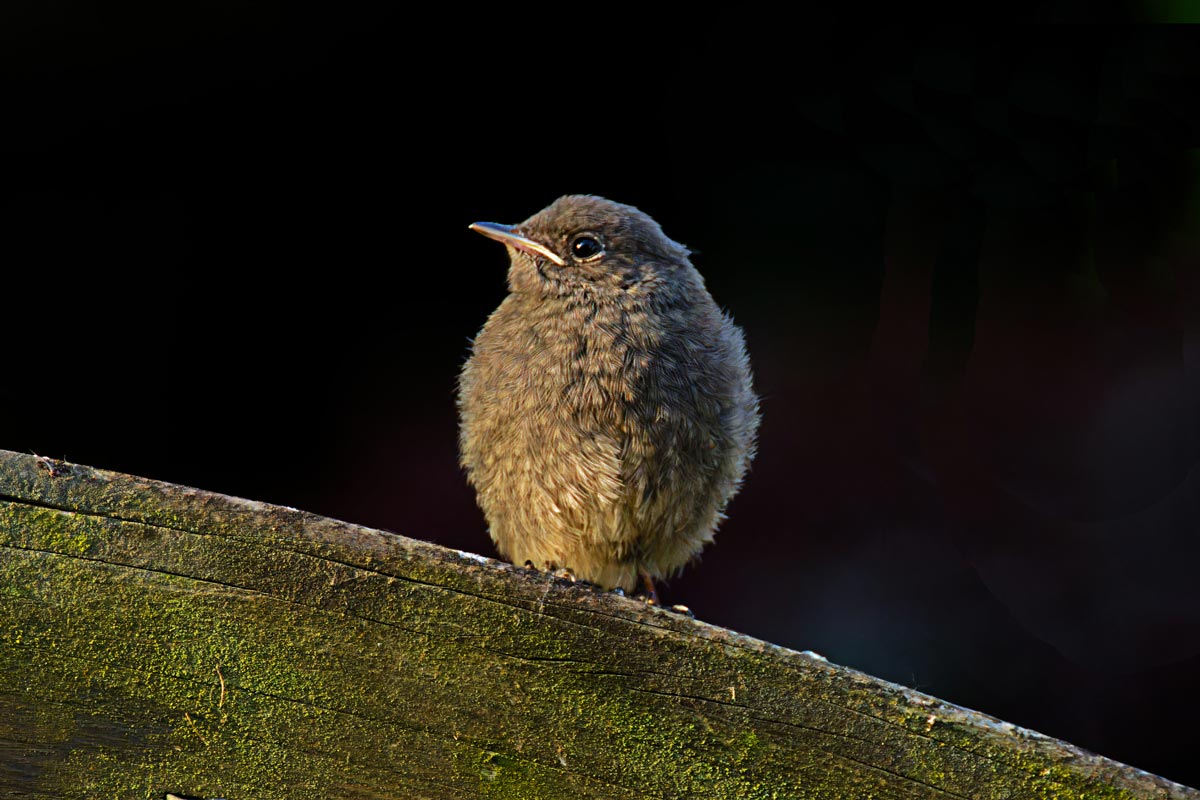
pixel 607 412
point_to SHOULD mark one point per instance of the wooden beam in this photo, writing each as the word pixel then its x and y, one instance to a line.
pixel 156 638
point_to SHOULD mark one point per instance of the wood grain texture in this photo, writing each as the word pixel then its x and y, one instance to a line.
pixel 156 638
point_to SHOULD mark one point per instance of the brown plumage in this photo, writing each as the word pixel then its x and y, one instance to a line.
pixel 607 410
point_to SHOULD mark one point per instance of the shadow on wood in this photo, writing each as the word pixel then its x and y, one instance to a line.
pixel 155 638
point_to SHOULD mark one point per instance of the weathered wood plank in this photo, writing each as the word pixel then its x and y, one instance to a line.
pixel 156 638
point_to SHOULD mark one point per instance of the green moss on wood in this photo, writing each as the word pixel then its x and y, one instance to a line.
pixel 155 638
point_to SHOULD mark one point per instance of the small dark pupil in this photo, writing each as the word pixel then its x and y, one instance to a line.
pixel 586 247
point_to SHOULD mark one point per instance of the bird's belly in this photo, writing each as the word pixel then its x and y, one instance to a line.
pixel 605 473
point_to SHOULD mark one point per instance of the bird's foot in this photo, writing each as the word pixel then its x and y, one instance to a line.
pixel 651 595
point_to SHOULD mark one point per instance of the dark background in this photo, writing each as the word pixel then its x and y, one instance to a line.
pixel 236 257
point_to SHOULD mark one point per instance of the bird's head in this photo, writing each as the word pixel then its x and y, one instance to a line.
pixel 586 245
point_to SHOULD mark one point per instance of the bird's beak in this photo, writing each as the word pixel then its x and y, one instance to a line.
pixel 509 236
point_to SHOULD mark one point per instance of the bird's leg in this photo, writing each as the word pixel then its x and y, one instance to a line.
pixel 648 582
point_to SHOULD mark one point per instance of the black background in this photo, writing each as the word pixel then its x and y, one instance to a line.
pixel 236 257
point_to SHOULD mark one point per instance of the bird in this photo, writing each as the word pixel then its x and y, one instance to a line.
pixel 606 409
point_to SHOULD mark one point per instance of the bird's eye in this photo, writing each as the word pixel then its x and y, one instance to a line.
pixel 586 247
